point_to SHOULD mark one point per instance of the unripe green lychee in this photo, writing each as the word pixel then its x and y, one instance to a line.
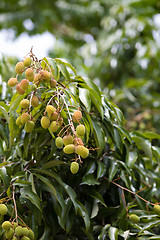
pixel 6 225
pixel 14 238
pixel 77 141
pixel 27 61
pixel 18 121
pixel 24 103
pixel 53 83
pixel 34 101
pixel 24 84
pixel 54 126
pixel 68 139
pixel 80 130
pixel 81 137
pixel 45 122
pixel 3 209
pixel 77 115
pixel 82 151
pixel 37 78
pixel 12 82
pixel 134 218
pixel 24 117
pixel 29 74
pixel 25 238
pixel 53 116
pixel 19 68
pixel 59 142
pixel 19 231
pixel 9 233
pixel 19 90
pixel 45 75
pixel 31 235
pixel 74 167
pixel 157 209
pixel 25 231
pixel 50 109
pixel 69 149
pixel 14 225
pixel 33 87
pixel 29 126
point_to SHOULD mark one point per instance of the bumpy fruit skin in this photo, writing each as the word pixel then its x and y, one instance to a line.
pixel 12 82
pixel 157 209
pixel 82 151
pixel 25 231
pixel 24 118
pixel 77 141
pixel 77 115
pixel 14 225
pixel 19 90
pixel 25 238
pixel 31 235
pixel 54 126
pixel 35 101
pixel 18 121
pixel 29 74
pixel 14 238
pixel 19 68
pixel 80 130
pixel 37 78
pixel 33 87
pixel 134 218
pixel 45 75
pixel 53 83
pixel 6 225
pixel 3 209
pixel 53 116
pixel 74 167
pixel 69 149
pixel 29 126
pixel 24 103
pixel 45 122
pixel 24 84
pixel 27 61
pixel 19 231
pixel 9 233
pixel 50 109
pixel 68 139
pixel 59 142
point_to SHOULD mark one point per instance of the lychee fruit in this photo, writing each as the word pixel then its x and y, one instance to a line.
pixel 74 167
pixel 29 126
pixel 77 115
pixel 157 209
pixel 54 126
pixel 68 149
pixel 80 130
pixel 12 82
pixel 24 84
pixel 45 75
pixel 18 121
pixel 37 78
pixel 68 139
pixel 19 90
pixel 77 141
pixel 29 74
pixel 3 209
pixel 25 238
pixel 24 117
pixel 6 225
pixel 53 116
pixel 134 218
pixel 59 142
pixel 31 234
pixel 24 103
pixel 27 61
pixel 19 231
pixel 50 109
pixel 25 231
pixel 34 101
pixel 53 83
pixel 19 68
pixel 82 151
pixel 9 233
pixel 45 122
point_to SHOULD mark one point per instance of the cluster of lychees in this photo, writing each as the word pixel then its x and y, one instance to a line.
pixel 70 135
pixel 13 231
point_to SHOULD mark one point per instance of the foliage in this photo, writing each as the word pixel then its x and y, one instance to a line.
pixel 113 182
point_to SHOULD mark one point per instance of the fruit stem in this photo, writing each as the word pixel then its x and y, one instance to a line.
pixel 15 206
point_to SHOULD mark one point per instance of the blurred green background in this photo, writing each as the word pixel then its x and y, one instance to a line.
pixel 115 43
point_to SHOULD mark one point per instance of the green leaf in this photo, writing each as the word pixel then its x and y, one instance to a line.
pixel 101 169
pixel 143 144
pixel 27 193
pixel 149 226
pixel 103 233
pixel 85 98
pixel 67 64
pixel 112 170
pixel 99 136
pixel 96 195
pixel 131 159
pixel 4 176
pixel 89 180
pixel 84 214
pixel 63 69
pixel 113 233
pixel 52 163
pixel 5 114
pixel 21 183
pixel 53 65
